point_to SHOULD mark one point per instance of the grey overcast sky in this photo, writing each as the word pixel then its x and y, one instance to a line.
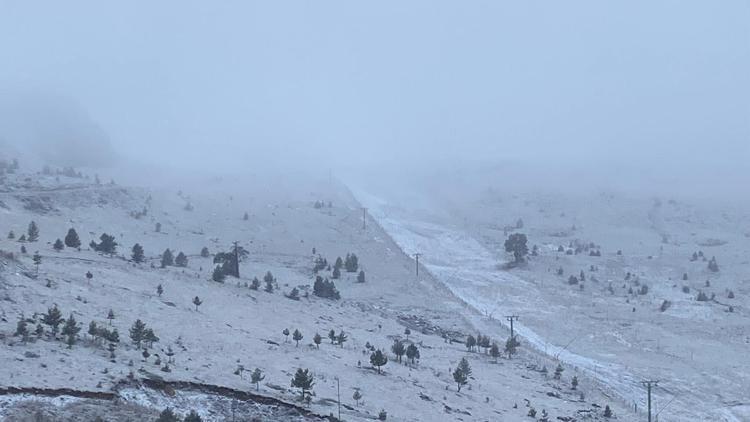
pixel 249 82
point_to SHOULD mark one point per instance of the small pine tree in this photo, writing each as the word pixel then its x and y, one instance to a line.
pixel 53 318
pixel 218 274
pixel 495 351
pixel 159 290
pixel 256 377
pixel 470 342
pixel 286 334
pixel 268 279
pixel 378 359
pixel 167 415
pixel 138 333
pixel 317 339
pixel 72 240
pixel 574 383
pixel 11 235
pixel 106 245
pixel 558 372
pixel 181 260
pixel 167 259
pixel 205 253
pixel 192 417
pixel 357 396
pixel 137 253
pixel 58 246
pixel 303 380
pixel 332 336
pixel 607 412
pixel 341 339
pixel 361 276
pixel 412 352
pixel 336 273
pixel 398 349
pixel 33 232
pixel 70 330
pixel 110 316
pixel 297 336
pixel 255 284
pixel 511 345
pixel 22 330
pixel 460 377
pixel 382 415
pixel 197 302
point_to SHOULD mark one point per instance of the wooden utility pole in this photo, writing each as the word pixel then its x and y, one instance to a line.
pixel 364 218
pixel 649 384
pixel 236 259
pixel 511 318
pixel 338 394
pixel 417 255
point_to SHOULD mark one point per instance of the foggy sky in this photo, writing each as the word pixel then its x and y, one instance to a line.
pixel 340 83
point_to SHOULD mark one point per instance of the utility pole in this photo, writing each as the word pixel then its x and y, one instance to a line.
pixel 236 259
pixel 649 384
pixel 338 393
pixel 417 255
pixel 511 318
pixel 364 218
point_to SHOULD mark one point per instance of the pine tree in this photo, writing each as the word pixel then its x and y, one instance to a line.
pixel 11 235
pixel 137 253
pixel 297 336
pixel 398 349
pixel 71 329
pixel 470 342
pixel 197 302
pixel 303 380
pixel 317 339
pixel 205 253
pixel 22 330
pixel 255 284
pixel 341 338
pixel 167 259
pixel 357 396
pixel 412 352
pixel 461 374
pixel 516 244
pixel 495 351
pixel 332 336
pixel 268 279
pixel 558 372
pixel 53 318
pixel 72 240
pixel 361 277
pixel 160 290
pixel 107 244
pixel 286 334
pixel 110 316
pixel 138 333
pixel 33 232
pixel 336 273
pixel 22 238
pixel 339 263
pixel 167 415
pixel 218 274
pixel 181 260
pixel 58 246
pixel 574 383
pixel 378 359
pixel 607 411
pixel 256 377
pixel 192 417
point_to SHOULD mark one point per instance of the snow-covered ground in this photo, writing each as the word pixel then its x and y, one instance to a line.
pixel 697 349
pixel 235 325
